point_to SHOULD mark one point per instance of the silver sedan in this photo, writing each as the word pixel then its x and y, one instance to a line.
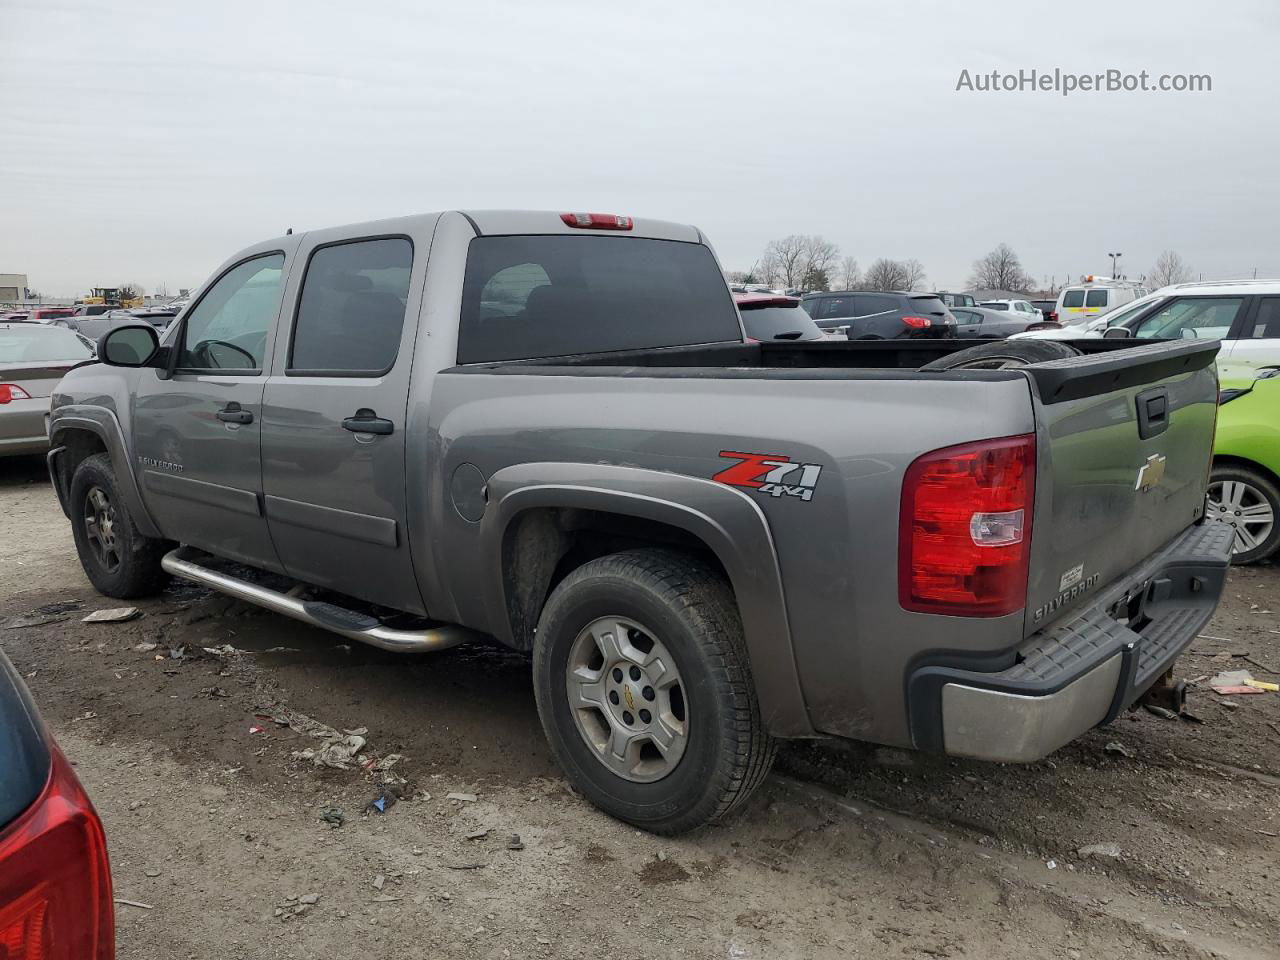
pixel 33 359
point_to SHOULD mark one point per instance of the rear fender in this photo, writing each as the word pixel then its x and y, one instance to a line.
pixel 729 523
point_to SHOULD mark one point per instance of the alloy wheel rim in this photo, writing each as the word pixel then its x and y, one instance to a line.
pixel 1246 509
pixel 627 699
pixel 100 524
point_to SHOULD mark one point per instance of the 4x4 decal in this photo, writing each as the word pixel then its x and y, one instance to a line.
pixel 770 473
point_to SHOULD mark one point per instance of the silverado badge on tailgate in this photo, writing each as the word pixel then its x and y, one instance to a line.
pixel 774 474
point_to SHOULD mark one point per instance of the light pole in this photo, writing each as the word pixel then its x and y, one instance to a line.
pixel 1114 257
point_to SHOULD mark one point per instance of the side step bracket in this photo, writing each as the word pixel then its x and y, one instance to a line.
pixel 327 616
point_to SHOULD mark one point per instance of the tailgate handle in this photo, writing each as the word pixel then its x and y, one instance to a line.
pixel 1153 413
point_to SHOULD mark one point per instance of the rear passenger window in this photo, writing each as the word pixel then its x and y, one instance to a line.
pixel 866 306
pixel 1096 298
pixel 1073 298
pixel 351 311
pixel 834 307
pixel 1267 324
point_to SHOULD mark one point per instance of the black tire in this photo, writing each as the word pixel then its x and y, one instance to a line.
pixel 691 609
pixel 1003 353
pixel 1261 487
pixel 131 567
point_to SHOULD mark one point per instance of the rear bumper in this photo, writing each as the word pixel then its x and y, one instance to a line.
pixel 1081 672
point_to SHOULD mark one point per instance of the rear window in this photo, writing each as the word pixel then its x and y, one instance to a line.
pixel 779 322
pixel 550 296
pixel 1073 298
pixel 930 305
pixel 1096 298
pixel 41 345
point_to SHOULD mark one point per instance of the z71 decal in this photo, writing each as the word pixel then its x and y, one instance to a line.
pixel 770 473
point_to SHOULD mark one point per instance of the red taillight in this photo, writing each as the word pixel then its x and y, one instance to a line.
pixel 596 221
pixel 917 323
pixel 11 391
pixel 55 883
pixel 965 528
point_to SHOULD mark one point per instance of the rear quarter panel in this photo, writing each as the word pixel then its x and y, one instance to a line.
pixel 837 552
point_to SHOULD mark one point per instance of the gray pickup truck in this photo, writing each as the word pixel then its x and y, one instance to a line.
pixel 549 430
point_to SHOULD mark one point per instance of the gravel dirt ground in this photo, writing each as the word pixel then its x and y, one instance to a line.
pixel 849 850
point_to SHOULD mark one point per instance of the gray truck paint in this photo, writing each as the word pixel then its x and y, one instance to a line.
pixel 429 519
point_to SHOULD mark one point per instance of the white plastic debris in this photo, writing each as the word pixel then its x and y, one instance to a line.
pixel 112 615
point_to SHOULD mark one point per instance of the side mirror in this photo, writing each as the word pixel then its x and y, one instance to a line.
pixel 1117 333
pixel 130 346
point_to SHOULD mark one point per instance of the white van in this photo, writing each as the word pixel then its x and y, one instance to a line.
pixel 1082 302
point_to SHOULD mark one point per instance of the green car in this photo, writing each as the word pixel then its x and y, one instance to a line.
pixel 1244 489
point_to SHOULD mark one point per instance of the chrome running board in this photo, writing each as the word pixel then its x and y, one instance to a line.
pixel 327 616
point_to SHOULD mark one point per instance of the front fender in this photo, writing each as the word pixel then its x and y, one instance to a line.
pixel 103 424
pixel 730 524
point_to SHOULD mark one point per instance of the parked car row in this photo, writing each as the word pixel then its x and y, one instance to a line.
pixel 96 325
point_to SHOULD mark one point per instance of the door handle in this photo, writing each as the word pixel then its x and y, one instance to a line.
pixel 232 413
pixel 367 421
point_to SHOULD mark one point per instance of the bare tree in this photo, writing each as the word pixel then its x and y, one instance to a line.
pixel 848 275
pixel 1169 268
pixel 885 274
pixel 794 258
pixel 819 258
pixel 790 254
pixel 1000 270
pixel 162 289
pixel 913 274
pixel 768 269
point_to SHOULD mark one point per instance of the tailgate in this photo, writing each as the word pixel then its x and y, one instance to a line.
pixel 1124 441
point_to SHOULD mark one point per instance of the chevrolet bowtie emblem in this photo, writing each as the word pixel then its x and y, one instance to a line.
pixel 1150 473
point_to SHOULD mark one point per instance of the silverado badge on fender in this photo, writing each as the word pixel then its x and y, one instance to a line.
pixel 770 473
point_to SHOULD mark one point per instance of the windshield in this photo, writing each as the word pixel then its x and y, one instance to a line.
pixel 1117 318
pixel 41 345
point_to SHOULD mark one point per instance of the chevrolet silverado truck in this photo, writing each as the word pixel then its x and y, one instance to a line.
pixel 549 430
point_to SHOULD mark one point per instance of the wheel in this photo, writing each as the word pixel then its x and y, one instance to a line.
pixel 645 693
pixel 1001 354
pixel 1250 502
pixel 118 560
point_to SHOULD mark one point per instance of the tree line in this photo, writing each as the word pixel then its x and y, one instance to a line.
pixel 802 261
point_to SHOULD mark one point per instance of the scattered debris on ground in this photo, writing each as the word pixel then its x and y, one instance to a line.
pixel 112 615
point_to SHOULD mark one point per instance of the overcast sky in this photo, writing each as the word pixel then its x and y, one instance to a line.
pixel 147 141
